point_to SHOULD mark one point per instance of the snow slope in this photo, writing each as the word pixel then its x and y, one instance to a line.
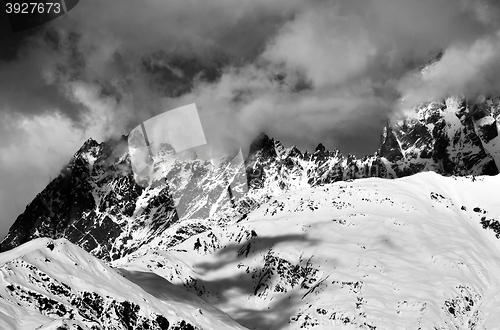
pixel 48 284
pixel 419 252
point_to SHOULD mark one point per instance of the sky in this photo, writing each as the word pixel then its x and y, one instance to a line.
pixel 303 71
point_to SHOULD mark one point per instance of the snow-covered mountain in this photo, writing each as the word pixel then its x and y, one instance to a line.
pixel 453 137
pixel 48 284
pixel 96 203
pixel 421 252
pixel 305 247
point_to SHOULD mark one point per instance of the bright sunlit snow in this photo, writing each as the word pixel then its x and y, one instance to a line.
pixel 387 254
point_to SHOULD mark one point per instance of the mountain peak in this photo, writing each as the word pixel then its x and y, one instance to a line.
pixel 389 146
pixel 87 145
pixel 263 144
pixel 320 148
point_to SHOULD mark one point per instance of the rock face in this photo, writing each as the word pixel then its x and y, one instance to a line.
pixel 450 138
pixel 96 203
pixel 87 203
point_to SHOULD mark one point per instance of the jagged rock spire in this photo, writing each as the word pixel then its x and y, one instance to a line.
pixel 264 145
pixel 389 145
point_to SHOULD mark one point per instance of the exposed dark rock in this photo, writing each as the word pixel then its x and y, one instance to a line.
pixel 389 147
pixel 262 146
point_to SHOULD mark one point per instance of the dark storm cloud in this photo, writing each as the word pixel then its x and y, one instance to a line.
pixel 289 66
pixel 33 80
pixel 133 52
pixel 357 60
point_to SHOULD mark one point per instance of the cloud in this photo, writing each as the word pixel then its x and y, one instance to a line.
pixel 34 84
pixel 32 152
pixel 93 44
pixel 464 70
pixel 317 63
pixel 329 48
pixel 338 69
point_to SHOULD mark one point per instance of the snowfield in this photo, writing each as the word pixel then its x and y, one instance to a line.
pixel 421 252
pixel 409 253
pixel 48 284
